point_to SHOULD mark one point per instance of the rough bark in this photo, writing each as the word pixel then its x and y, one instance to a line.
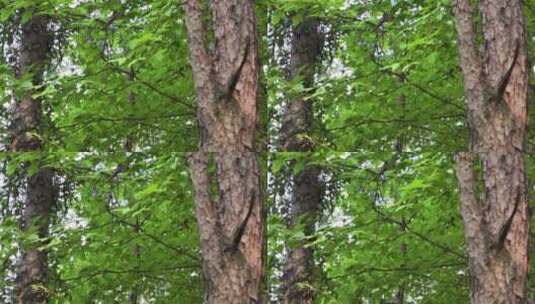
pixel 300 271
pixel 297 120
pixel 26 128
pixel 32 278
pixel 25 123
pixel 225 170
pixel 494 204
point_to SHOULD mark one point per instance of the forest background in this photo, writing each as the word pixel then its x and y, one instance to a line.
pixel 361 110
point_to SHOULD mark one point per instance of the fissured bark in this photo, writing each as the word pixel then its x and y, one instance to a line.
pixel 494 203
pixel 225 171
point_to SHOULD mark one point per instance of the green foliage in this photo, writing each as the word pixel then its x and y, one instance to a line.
pixel 119 117
pixel 128 231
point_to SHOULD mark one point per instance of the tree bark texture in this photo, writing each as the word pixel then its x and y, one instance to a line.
pixel 225 171
pixel 26 131
pixel 25 125
pixel 297 120
pixel 494 202
pixel 32 278
pixel 299 271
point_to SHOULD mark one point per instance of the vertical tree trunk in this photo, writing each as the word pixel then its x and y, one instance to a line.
pixel 297 118
pixel 494 204
pixel 38 203
pixel 306 190
pixel 399 298
pixel 134 296
pixel 225 171
pixel 26 128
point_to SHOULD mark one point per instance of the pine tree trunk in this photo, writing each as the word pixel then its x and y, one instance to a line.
pixel 25 129
pixel 298 276
pixel 494 203
pixel 225 171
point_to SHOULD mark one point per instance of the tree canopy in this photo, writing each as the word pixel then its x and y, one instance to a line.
pixel 119 123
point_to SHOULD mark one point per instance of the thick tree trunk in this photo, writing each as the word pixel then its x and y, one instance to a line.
pixel 494 206
pixel 306 190
pixel 230 225
pixel 25 137
pixel 225 171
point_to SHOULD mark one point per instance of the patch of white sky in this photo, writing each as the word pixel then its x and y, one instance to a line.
pixel 336 70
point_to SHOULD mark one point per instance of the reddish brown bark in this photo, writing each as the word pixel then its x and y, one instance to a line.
pixel 297 123
pixel 225 170
pixel 26 131
pixel 230 225
pixel 496 89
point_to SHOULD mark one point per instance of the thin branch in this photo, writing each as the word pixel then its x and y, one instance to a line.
pixel 420 235
pixel 153 87
pixel 395 269
pixel 128 271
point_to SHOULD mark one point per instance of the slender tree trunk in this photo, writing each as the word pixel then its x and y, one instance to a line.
pixel 494 203
pixel 399 298
pixel 306 190
pixel 26 128
pixel 134 296
pixel 225 170
pixel 297 118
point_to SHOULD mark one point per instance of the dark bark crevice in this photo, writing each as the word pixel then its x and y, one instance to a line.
pixel 225 171
pixel 494 202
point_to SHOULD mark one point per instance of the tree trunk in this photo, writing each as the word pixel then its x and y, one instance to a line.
pixel 298 114
pixel 26 128
pixel 494 204
pixel 32 279
pixel 306 190
pixel 299 271
pixel 225 171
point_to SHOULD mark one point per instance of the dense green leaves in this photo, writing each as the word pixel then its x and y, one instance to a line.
pixel 119 118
